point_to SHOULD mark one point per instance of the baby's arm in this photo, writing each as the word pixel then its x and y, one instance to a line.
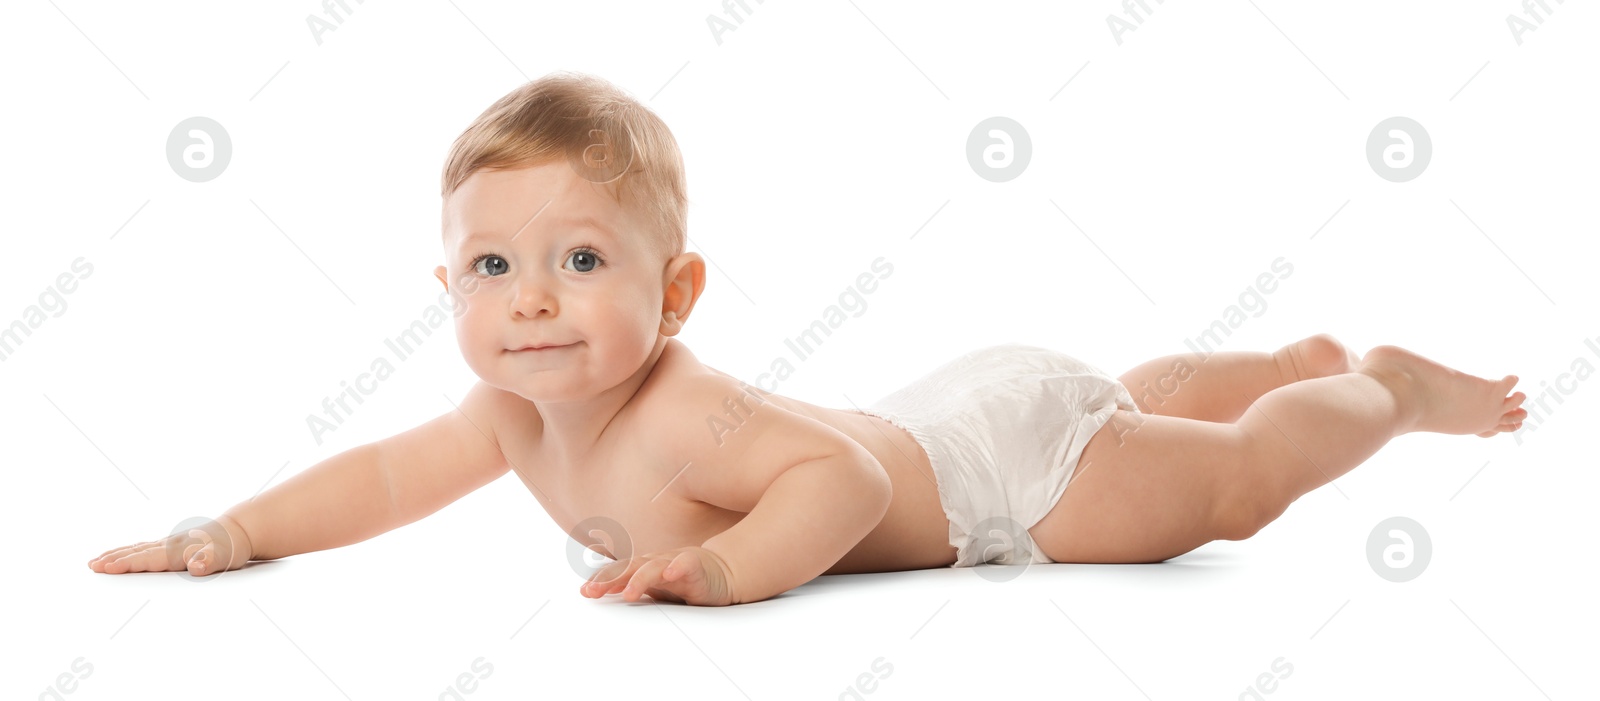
pixel 810 491
pixel 345 499
pixel 377 487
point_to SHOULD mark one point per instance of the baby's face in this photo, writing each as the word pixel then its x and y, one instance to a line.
pixel 541 256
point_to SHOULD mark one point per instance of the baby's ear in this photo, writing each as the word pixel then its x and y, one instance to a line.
pixel 686 280
pixel 439 272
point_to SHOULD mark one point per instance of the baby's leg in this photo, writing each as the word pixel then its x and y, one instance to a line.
pixel 1219 386
pixel 1152 487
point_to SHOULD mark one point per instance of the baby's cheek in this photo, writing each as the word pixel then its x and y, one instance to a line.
pixel 481 355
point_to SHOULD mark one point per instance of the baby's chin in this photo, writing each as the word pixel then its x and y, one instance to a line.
pixel 547 387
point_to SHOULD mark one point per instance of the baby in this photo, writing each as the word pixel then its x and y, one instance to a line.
pixel 564 237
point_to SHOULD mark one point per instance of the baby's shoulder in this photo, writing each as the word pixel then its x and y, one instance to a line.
pixel 688 407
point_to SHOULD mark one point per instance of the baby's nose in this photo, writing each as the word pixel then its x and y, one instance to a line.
pixel 533 298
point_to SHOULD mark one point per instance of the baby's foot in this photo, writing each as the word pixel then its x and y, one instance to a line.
pixel 1442 400
pixel 1318 356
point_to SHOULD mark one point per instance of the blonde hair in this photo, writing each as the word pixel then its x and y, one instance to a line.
pixel 606 135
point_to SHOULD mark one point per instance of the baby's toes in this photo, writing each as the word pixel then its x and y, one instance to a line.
pixel 1506 383
pixel 1510 422
pixel 1514 415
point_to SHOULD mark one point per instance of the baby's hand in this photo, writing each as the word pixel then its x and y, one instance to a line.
pixel 214 546
pixel 691 575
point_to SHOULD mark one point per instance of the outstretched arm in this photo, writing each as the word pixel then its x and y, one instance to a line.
pixel 377 487
pixel 347 498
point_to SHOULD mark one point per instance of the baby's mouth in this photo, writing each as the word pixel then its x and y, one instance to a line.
pixel 541 348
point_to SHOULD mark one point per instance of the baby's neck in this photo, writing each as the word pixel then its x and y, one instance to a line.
pixel 571 430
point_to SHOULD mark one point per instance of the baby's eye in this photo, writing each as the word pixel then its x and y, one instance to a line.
pixel 586 260
pixel 494 262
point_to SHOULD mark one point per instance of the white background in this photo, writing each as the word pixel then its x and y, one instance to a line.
pixel 817 137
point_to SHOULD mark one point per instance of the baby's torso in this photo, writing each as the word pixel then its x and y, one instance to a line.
pixel 631 485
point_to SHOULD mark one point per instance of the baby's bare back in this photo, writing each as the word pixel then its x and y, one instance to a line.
pixel 627 491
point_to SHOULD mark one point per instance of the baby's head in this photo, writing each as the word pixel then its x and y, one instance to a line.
pixel 565 219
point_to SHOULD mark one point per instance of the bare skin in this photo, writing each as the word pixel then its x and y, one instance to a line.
pixel 1244 476
pixel 726 494
pixel 1149 488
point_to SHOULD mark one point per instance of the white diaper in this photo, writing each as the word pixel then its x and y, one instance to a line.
pixel 1003 427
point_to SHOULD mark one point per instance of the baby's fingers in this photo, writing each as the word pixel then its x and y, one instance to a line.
pixel 643 580
pixel 106 558
pixel 609 579
pixel 201 560
pixel 147 558
pixel 685 569
pixel 122 549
